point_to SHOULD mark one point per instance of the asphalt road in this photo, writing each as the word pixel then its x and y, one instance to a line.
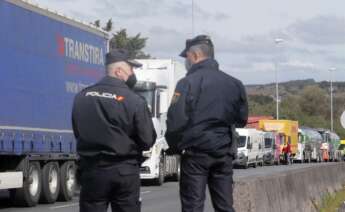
pixel 154 199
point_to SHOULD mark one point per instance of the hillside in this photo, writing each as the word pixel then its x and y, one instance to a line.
pixel 294 88
pixel 307 101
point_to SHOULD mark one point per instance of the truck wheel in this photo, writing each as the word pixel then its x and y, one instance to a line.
pixel 309 158
pixel 50 182
pixel 277 162
pixel 30 193
pixel 246 164
pixel 67 181
pixel 272 162
pixel 255 164
pixel 161 171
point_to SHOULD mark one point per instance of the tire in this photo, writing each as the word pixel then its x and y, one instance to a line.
pixel 277 162
pixel 255 164
pixel 50 182
pixel 246 165
pixel 67 181
pixel 303 158
pixel 272 162
pixel 29 194
pixel 161 171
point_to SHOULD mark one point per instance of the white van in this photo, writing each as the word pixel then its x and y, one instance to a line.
pixel 249 147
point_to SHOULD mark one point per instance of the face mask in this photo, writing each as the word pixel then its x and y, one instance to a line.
pixel 188 64
pixel 132 80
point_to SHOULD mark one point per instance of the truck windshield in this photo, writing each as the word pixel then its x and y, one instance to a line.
pixel 268 142
pixel 149 98
pixel 341 147
pixel 242 141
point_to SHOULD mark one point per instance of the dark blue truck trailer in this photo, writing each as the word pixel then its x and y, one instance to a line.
pixel 45 59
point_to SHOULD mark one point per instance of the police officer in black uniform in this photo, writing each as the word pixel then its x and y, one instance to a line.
pixel 112 126
pixel 207 106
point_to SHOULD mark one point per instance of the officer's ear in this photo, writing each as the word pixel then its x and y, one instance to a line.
pixel 120 73
pixel 195 57
pixel 192 56
pixel 117 72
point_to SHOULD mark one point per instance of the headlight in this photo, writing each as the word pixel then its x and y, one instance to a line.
pixel 147 154
pixel 240 155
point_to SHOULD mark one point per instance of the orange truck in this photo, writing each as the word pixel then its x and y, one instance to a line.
pixel 287 131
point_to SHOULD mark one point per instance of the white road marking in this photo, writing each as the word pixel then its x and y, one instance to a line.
pixel 64 206
pixel 145 192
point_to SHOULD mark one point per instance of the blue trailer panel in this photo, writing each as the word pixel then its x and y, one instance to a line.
pixel 45 60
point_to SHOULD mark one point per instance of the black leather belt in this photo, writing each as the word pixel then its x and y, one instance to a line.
pixel 104 160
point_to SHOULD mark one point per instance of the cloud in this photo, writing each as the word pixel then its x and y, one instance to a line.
pixel 264 66
pixel 244 44
pixel 123 9
pixel 337 60
pixel 260 44
pixel 165 41
pixel 299 64
pixel 135 9
pixel 320 30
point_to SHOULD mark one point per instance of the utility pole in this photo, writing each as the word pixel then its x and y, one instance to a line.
pixel 331 85
pixel 193 18
pixel 277 42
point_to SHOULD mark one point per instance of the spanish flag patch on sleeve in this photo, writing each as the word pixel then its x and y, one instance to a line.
pixel 175 97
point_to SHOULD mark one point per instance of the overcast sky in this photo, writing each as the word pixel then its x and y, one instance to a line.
pixel 243 32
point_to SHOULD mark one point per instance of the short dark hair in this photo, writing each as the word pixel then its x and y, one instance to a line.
pixel 205 49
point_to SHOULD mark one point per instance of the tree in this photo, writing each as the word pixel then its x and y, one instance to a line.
pixel 290 108
pixel 109 26
pixel 121 40
pixel 134 45
pixel 261 105
pixel 314 101
pixel 97 23
pixel 310 107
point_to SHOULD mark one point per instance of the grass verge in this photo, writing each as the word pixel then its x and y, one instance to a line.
pixel 332 203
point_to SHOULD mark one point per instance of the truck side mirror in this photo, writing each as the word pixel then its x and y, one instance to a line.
pixel 150 110
pixel 162 102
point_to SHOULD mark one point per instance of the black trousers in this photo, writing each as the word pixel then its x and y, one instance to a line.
pixel 117 184
pixel 197 170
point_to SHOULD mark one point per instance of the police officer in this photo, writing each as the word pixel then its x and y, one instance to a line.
pixel 112 126
pixel 207 106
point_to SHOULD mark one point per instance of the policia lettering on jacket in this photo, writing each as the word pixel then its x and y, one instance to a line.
pixel 207 105
pixel 112 126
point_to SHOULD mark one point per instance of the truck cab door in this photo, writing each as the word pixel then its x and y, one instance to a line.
pixel 161 108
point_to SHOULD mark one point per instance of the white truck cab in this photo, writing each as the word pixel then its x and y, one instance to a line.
pixel 249 148
pixel 300 155
pixel 156 83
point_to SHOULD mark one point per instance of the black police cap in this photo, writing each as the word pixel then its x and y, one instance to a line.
pixel 200 39
pixel 120 55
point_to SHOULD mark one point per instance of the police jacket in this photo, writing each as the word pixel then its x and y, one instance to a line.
pixel 110 119
pixel 207 103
